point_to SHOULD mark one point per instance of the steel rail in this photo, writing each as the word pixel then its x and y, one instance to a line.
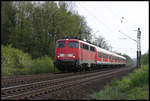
pixel 58 86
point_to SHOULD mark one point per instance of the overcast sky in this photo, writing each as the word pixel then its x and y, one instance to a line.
pixel 104 18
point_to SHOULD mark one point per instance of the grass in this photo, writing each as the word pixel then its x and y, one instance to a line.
pixel 134 86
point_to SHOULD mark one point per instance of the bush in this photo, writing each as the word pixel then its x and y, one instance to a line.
pixel 43 65
pixel 12 57
pixel 9 71
pixel 122 89
pixel 139 93
pixel 140 76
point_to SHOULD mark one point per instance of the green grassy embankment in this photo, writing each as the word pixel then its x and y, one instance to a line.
pixel 135 86
pixel 16 62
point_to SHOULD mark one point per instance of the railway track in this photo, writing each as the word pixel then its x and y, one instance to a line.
pixel 32 90
pixel 19 80
pixel 26 79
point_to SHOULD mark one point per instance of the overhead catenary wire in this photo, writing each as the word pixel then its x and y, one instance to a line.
pixel 101 22
pixel 105 26
pixel 127 36
pixel 116 15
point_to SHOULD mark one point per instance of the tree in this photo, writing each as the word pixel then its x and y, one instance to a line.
pixel 34 25
pixel 101 42
pixel 144 58
pixel 8 21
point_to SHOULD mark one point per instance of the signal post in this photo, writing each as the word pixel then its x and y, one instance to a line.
pixel 138 48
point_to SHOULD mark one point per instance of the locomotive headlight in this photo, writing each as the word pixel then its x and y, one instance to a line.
pixel 61 55
pixel 70 55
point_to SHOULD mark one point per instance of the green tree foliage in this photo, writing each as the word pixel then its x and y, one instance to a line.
pixel 31 26
pixel 7 21
pixel 144 58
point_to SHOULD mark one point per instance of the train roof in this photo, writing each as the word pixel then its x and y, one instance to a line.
pixel 108 52
pixel 97 48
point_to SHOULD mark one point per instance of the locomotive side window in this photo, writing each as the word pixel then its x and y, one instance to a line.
pixel 60 44
pixel 73 44
pixel 92 49
pixel 85 47
pixel 81 45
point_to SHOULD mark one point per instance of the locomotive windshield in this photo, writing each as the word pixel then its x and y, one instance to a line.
pixel 61 44
pixel 73 44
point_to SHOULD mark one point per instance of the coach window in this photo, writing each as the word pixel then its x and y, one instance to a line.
pixel 113 58
pixel 98 54
pixel 107 56
pixel 73 44
pixel 104 56
pixel 110 57
pixel 60 44
pixel 101 55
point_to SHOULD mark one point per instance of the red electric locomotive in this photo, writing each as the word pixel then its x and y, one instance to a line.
pixel 77 55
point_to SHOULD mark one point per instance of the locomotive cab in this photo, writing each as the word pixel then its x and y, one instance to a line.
pixel 66 54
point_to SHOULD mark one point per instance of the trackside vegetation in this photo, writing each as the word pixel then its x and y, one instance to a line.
pixel 16 62
pixel 135 86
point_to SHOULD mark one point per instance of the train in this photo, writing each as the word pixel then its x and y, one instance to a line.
pixel 74 54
